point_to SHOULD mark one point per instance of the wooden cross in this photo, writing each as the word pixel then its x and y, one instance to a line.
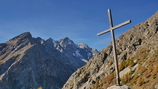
pixel 113 42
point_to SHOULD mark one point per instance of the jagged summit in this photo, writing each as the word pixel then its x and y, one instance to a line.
pixel 50 39
pixel 66 41
pixel 22 36
pixel 83 45
pixel 66 38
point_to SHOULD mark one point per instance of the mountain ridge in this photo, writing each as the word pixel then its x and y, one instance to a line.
pixel 27 62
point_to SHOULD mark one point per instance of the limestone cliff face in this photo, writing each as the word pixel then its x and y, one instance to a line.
pixel 29 63
pixel 140 44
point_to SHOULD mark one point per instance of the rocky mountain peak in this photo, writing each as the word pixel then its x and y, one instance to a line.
pixel 83 45
pixel 21 38
pixel 50 40
pixel 66 40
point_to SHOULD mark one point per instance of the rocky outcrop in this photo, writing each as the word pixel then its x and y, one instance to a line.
pixel 118 87
pixel 138 43
pixel 29 63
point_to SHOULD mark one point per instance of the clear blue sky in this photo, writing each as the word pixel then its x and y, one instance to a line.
pixel 80 20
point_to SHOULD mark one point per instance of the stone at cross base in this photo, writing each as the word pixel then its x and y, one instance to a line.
pixel 119 87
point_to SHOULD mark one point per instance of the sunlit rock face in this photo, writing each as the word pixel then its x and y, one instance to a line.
pixel 137 49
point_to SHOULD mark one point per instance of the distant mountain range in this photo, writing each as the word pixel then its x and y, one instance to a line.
pixel 30 63
pixel 137 52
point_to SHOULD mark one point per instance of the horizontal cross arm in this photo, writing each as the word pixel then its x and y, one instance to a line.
pixel 118 26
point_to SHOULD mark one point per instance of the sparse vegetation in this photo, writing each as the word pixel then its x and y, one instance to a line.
pixel 144 76
pixel 40 88
pixel 140 81
pixel 126 63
